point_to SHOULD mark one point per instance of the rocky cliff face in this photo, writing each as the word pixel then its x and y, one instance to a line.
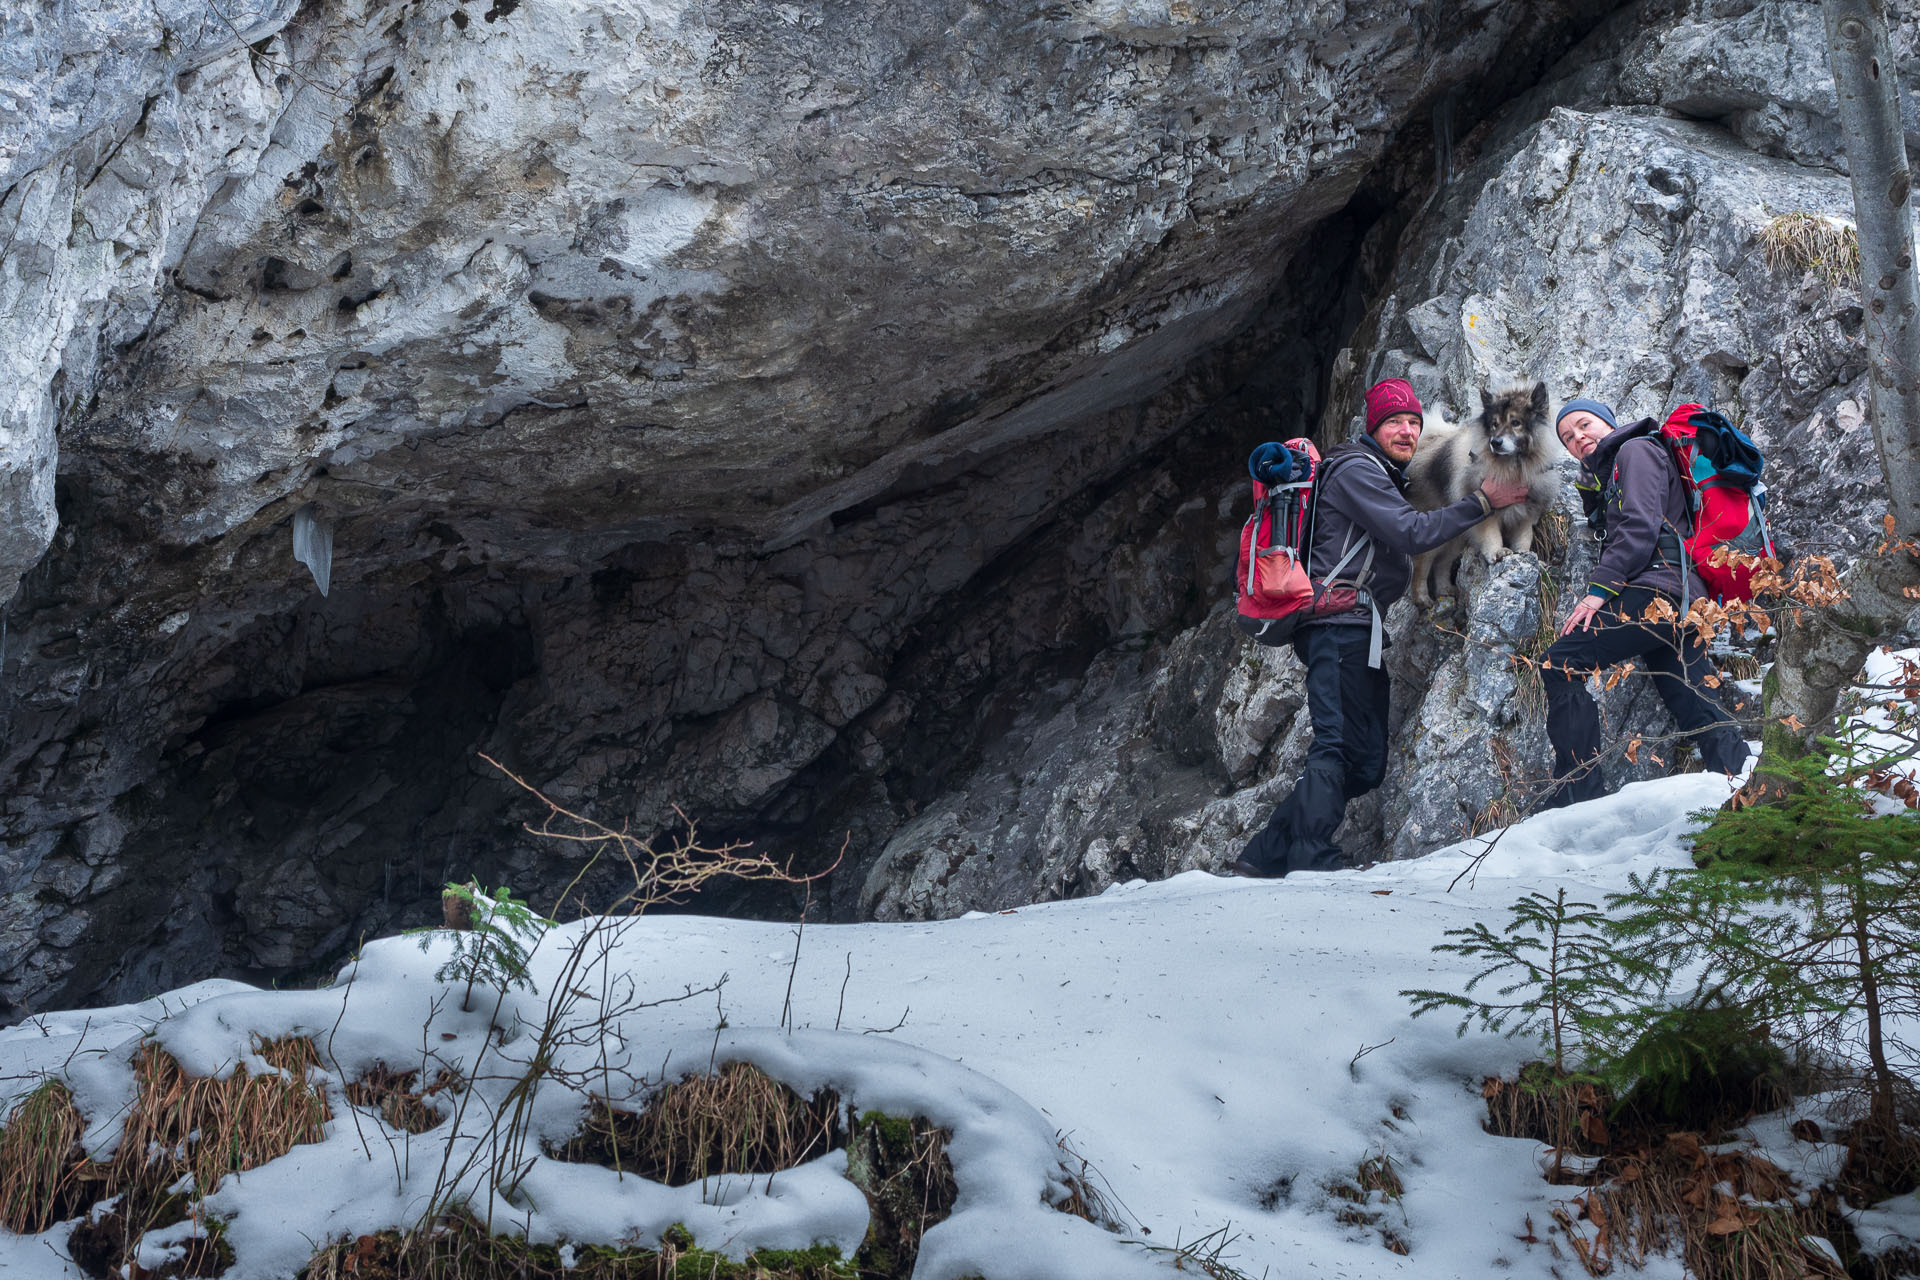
pixel 1604 235
pixel 822 418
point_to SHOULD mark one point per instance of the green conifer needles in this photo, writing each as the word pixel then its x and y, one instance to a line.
pixel 1800 925
pixel 1562 980
pixel 1805 914
pixel 491 933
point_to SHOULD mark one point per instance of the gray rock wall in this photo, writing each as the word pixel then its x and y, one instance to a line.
pixel 1613 252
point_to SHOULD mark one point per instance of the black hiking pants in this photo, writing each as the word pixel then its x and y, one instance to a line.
pixel 1677 662
pixel 1347 703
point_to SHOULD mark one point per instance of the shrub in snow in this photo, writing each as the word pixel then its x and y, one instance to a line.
pixel 1563 982
pixel 490 934
pixel 1804 914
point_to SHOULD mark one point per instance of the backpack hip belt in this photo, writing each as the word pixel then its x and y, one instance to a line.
pixel 1358 583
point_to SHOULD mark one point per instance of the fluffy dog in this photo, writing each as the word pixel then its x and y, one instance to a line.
pixel 1511 439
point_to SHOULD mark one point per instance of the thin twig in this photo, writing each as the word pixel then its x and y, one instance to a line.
pixel 1353 1064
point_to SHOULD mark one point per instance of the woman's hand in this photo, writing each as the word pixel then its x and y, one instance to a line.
pixel 1582 615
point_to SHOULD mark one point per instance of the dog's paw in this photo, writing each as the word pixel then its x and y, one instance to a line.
pixel 1499 554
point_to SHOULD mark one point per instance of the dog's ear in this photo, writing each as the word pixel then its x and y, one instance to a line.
pixel 1540 398
pixel 1486 404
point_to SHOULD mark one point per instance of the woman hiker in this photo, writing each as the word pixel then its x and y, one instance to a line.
pixel 1635 496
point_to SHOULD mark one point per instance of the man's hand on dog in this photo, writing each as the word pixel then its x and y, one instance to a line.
pixel 1503 493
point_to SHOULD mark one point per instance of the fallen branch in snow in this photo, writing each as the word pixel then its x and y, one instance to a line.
pixel 1208 1254
pixel 882 1031
pixel 1353 1064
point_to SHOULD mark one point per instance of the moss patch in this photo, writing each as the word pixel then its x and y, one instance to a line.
pixel 903 1168
pixel 461 1249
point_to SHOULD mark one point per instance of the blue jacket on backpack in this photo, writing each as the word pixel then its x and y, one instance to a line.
pixel 1271 464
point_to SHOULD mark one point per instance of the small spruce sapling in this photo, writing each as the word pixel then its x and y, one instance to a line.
pixel 1804 914
pixel 491 935
pixel 1565 982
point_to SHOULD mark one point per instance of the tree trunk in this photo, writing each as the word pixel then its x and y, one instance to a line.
pixel 1820 652
pixel 1881 1109
pixel 1863 74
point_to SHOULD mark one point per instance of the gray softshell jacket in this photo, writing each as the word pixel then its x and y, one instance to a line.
pixel 1644 499
pixel 1361 492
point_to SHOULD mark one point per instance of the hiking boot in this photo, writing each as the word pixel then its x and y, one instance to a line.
pixel 1241 867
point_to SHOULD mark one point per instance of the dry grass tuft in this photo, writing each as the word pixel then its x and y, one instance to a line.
pixel 1510 805
pixel 1551 537
pixel 1376 1184
pixel 1083 1199
pixel 1376 1173
pixel 1501 811
pixel 392 1095
pixel 1810 243
pixel 1567 1114
pixel 221 1126
pixel 740 1120
pixel 1730 1215
pixel 177 1125
pixel 737 1120
pixel 41 1161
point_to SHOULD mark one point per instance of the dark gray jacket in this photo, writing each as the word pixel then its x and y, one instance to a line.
pixel 1363 491
pixel 1642 497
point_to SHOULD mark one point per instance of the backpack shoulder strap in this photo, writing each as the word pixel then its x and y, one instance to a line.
pixel 1353 547
pixel 1365 539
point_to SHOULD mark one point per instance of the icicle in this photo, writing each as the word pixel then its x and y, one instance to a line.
pixel 313 546
pixel 1443 139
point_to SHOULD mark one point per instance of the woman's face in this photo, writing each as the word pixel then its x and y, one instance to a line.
pixel 1580 431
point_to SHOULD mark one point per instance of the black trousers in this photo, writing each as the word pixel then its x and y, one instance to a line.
pixel 1347 703
pixel 1677 662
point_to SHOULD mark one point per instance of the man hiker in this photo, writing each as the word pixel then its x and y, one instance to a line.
pixel 1366 532
pixel 1633 492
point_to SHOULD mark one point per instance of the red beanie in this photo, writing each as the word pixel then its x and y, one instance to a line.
pixel 1388 397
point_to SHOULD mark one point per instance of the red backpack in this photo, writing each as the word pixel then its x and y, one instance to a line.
pixel 1720 466
pixel 1272 589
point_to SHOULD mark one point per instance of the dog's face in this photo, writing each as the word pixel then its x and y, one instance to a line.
pixel 1515 420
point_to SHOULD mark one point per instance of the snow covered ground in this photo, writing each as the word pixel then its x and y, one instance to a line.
pixel 1221 1051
